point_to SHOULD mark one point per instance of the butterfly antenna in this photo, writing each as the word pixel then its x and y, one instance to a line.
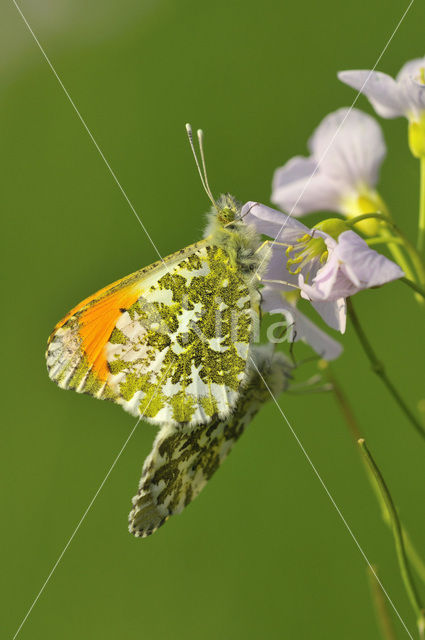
pixel 200 134
pixel 203 177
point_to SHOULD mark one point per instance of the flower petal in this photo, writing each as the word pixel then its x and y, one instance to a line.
pixel 347 151
pixel 384 92
pixel 334 313
pixel 351 267
pixel 298 168
pixel 299 187
pixel 329 284
pixel 277 274
pixel 325 346
pixel 303 329
pixel 272 223
pixel 411 68
pixel 410 79
pixel 414 92
pixel 362 265
pixel 350 147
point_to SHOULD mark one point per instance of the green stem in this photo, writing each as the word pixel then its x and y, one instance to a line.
pixel 413 555
pixel 351 420
pixel 415 257
pixel 398 539
pixel 413 253
pixel 413 286
pixel 382 217
pixel 343 404
pixel 380 606
pixel 393 243
pixel 383 240
pixel 421 225
pixel 378 368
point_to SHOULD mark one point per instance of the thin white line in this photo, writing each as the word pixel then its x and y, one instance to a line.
pixel 87 510
pixel 111 171
pixel 76 529
pixel 323 156
pixel 319 477
pixel 328 493
pixel 160 256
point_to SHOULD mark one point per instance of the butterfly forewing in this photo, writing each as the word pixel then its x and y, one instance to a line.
pixel 170 342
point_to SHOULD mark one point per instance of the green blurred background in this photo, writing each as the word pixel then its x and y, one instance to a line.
pixel 262 553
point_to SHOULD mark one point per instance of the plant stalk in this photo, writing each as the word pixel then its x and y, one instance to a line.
pixel 379 369
pixel 347 411
pixel 421 224
pixel 398 539
pixel 413 286
pixel 392 241
pixel 380 606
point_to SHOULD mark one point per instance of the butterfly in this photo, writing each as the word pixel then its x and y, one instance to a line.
pixel 171 342
pixel 184 458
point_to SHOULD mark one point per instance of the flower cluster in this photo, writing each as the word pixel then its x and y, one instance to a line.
pixel 330 262
pixel 327 263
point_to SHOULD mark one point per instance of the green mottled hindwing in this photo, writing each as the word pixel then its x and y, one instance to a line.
pixel 184 458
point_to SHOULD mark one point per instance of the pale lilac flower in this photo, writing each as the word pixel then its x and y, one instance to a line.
pixel 275 301
pixel 327 264
pixel 391 98
pixel 351 266
pixel 347 150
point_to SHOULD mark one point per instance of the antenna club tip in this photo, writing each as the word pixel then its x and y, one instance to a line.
pixel 188 127
pixel 200 133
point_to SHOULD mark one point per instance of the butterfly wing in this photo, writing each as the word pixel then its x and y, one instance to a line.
pixel 178 468
pixel 76 349
pixel 170 342
pixel 183 459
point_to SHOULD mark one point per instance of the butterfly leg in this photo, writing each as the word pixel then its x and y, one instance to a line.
pixel 272 243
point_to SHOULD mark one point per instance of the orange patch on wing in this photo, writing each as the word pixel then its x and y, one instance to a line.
pixel 102 293
pixel 97 316
pixel 97 324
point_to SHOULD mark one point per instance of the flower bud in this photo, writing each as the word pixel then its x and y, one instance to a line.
pixel 366 201
pixel 332 226
pixel 416 135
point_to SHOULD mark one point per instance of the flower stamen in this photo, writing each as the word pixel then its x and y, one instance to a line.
pixel 306 249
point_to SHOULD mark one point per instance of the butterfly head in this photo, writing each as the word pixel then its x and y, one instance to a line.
pixel 224 218
pixel 228 210
pixel 226 228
